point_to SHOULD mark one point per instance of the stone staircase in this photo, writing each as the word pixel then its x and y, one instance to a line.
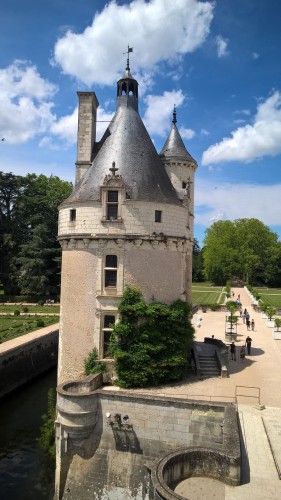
pixel 208 365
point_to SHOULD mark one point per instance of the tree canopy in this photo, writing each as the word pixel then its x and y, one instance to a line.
pixel 245 248
pixel 29 251
pixel 197 262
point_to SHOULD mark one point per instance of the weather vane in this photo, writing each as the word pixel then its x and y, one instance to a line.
pixel 130 49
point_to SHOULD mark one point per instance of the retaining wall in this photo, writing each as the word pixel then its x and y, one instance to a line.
pixel 108 441
pixel 26 357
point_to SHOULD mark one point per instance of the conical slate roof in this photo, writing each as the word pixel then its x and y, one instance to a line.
pixel 127 143
pixel 174 146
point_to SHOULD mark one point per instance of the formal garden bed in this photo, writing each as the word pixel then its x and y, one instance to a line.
pixel 30 308
pixel 12 327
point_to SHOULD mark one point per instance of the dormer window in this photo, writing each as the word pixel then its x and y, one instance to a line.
pixel 112 205
pixel 113 196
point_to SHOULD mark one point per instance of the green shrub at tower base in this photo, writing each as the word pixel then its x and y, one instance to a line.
pixel 151 343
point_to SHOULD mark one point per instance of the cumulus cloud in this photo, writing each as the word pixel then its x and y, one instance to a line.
pixel 26 108
pixel 186 133
pixel 249 201
pixel 63 133
pixel 221 44
pixel 157 29
pixel 262 138
pixel 66 127
pixel 158 114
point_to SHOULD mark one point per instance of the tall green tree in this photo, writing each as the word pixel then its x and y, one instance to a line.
pixel 30 248
pixel 240 248
pixel 11 187
pixel 197 263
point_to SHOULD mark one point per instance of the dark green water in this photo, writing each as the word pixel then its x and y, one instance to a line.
pixel 25 472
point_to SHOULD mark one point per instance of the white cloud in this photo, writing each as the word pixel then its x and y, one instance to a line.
pixel 255 55
pixel 186 133
pixel 239 121
pixel 237 201
pixel 158 115
pixel 63 133
pixel 66 127
pixel 251 141
pixel 221 44
pixel 26 109
pixel 246 112
pixel 205 132
pixel 158 30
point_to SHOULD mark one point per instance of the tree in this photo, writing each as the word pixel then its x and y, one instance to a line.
pixel 197 263
pixel 151 343
pixel 29 247
pixel 240 248
pixel 220 252
pixel 11 186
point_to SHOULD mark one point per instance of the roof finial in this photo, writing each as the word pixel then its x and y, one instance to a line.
pixel 113 169
pixel 174 115
pixel 130 49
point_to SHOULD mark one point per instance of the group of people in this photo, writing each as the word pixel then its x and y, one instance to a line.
pixel 248 345
pixel 250 326
pixel 246 319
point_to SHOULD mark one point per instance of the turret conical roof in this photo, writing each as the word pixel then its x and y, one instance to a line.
pixel 174 146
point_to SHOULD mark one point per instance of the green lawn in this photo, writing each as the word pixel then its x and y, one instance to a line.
pixel 205 293
pixel 31 309
pixel 270 296
pixel 12 326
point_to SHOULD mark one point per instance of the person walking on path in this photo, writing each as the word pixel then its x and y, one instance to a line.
pixel 233 351
pixel 248 322
pixel 249 344
pixel 253 325
pixel 242 353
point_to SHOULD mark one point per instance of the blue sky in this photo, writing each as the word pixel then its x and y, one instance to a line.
pixel 219 62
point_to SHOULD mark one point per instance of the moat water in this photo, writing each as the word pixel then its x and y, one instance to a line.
pixel 26 473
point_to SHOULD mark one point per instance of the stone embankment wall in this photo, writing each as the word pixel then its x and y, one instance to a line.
pixel 110 440
pixel 26 357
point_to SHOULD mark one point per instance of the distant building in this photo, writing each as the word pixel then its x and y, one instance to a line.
pixel 129 221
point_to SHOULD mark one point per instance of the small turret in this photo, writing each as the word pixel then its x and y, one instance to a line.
pixel 179 164
pixel 127 88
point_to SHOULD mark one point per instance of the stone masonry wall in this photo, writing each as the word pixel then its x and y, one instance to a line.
pixel 32 355
pixel 120 455
pixel 137 218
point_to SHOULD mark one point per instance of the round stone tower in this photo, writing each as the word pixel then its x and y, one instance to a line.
pixel 181 168
pixel 126 223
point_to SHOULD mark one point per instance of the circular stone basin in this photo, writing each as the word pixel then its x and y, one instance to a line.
pixel 200 488
pixel 193 473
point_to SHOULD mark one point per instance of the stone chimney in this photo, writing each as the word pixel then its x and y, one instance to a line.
pixel 87 116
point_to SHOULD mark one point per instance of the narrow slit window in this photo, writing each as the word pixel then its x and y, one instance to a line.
pixel 158 216
pixel 184 184
pixel 72 216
